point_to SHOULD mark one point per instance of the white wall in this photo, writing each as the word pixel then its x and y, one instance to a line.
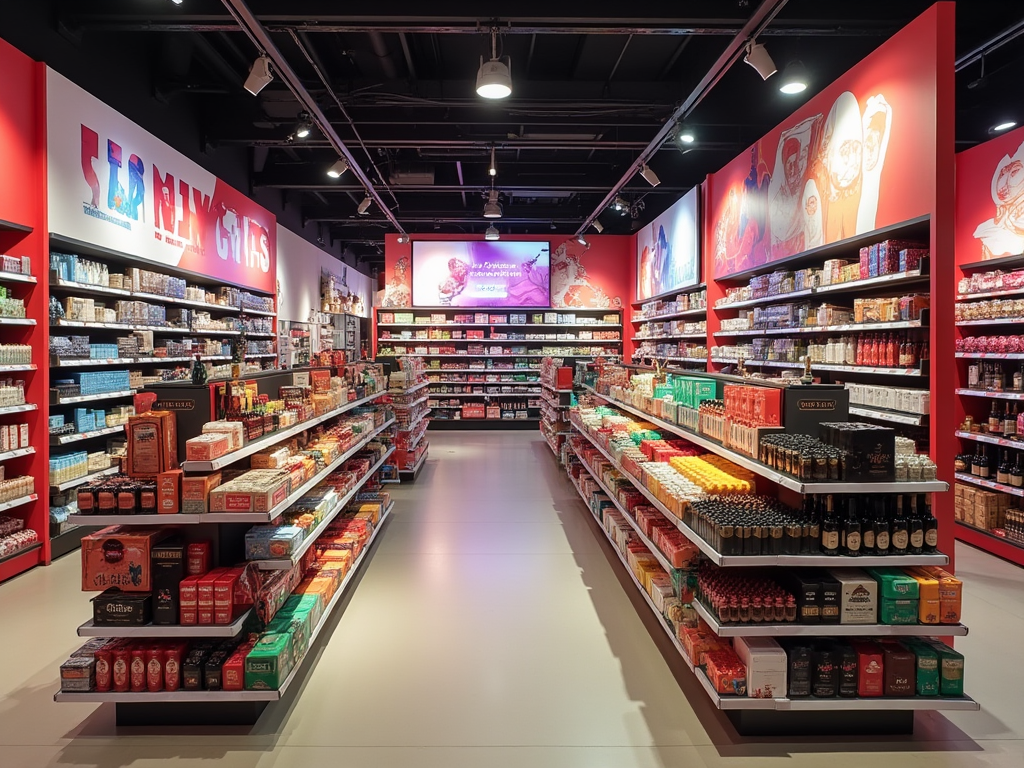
pixel 298 274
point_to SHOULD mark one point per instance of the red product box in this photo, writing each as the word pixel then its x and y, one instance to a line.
pixel 563 378
pixel 119 556
pixel 137 671
pixel 168 488
pixel 173 655
pixel 188 597
pixel 198 558
pixel 205 595
pixel 224 596
pixel 870 669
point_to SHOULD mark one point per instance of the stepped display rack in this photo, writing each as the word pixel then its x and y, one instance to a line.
pixel 989 385
pixel 66 535
pixel 779 714
pixel 486 377
pixel 225 531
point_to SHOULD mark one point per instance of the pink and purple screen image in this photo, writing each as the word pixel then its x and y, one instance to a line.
pixel 480 274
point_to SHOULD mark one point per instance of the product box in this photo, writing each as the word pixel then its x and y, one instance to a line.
pixel 168 492
pixel 766 665
pixel 830 599
pixel 224 596
pixel 268 663
pixel 114 608
pixel 927 677
pixel 858 596
pixel 78 674
pixel 870 669
pixel 272 542
pixel 206 447
pixel 168 563
pixel 807 589
pixel 152 443
pixel 899 595
pixel 188 597
pixel 195 493
pixel 900 670
pixel 198 561
pixel 951 669
pixel 950 593
pixel 235 431
pixel 205 595
pixel 897 611
pixel 258 490
pixel 799 657
pixel 928 605
pixel 824 672
pixel 847 661
pixel 119 556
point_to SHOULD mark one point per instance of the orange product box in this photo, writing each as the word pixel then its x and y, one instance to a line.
pixel 195 492
pixel 168 489
pixel 205 595
pixel 188 596
pixel 119 556
pixel 152 443
pixel 207 446
pixel 950 593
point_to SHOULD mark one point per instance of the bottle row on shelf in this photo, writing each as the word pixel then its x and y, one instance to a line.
pixel 890 350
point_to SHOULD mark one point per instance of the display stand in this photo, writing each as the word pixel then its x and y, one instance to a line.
pixel 670 331
pixel 483 374
pixel 412 414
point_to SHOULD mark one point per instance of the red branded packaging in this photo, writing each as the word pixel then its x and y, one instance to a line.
pixel 188 597
pixel 168 492
pixel 198 561
pixel 205 595
pixel 121 667
pixel 155 669
pixel 173 655
pixel 563 378
pixel 870 670
pixel 137 670
pixel 224 596
pixel 104 667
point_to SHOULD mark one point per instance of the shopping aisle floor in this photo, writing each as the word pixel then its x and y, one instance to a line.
pixel 490 629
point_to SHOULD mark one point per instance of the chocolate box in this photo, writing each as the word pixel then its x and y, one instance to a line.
pixel 900 670
pixel 830 599
pixel 824 672
pixel 114 608
pixel 858 596
pixel 195 493
pixel 951 669
pixel 800 658
pixel 927 678
pixel 847 660
pixel 206 447
pixel 168 492
pixel 120 556
pixel 870 669
pixel 268 663
pixel 168 562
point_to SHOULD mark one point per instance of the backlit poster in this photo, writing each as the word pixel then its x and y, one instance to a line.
pixel 668 250
pixel 480 273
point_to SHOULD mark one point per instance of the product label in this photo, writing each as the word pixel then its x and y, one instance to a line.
pixel 830 539
pixel 882 540
pixel 869 539
pixel 853 541
pixel 931 537
pixel 917 539
pixel 900 539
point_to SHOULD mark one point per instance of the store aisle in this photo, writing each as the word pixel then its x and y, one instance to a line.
pixel 490 628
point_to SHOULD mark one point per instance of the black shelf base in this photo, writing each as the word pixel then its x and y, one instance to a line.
pixel 759 722
pixel 68 542
pixel 190 713
pixel 482 424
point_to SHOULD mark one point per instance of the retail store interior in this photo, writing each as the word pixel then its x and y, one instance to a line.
pixel 565 387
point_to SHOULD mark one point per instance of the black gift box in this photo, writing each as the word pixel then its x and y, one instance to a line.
pixel 168 560
pixel 115 608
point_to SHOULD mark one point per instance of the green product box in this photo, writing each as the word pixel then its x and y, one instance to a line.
pixel 951 670
pixel 314 604
pixel 927 668
pixel 902 611
pixel 269 662
pixel 895 584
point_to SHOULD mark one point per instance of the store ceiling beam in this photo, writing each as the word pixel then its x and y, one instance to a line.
pixel 261 38
pixel 755 25
pixel 994 43
pixel 522 190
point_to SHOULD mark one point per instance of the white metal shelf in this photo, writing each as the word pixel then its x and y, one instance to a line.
pixel 260 355
pixel 555 389
pixel 884 371
pixel 4 506
pixel 442 395
pixel 409 390
pixel 671 315
pixel 17 277
pixel 728 561
pixel 17 453
pixel 260 312
pixel 93 398
pixel 991 355
pixel 771 474
pixel 413 404
pixel 694 336
pixel 483 355
pixel 466 382
pixel 275 437
pixel 16 321
pixel 18 408
pixel 990 294
pixel 417 466
pixel 89 629
pixel 482 370
pixel 995 321
pixel 850 328
pixel 502 325
pixel 232 696
pixel 990 484
pixel 96 362
pixel 312 536
pixel 119 326
pixel 881 414
pixel 65 439
pixel 826 630
pixel 504 341
pixel 6 368
pixel 1002 395
pixel 69 484
pixel 415 421
pixel 983 438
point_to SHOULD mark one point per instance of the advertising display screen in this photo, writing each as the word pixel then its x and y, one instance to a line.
pixel 668 250
pixel 480 274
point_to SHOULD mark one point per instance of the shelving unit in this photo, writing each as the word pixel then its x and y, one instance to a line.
pixel 672 336
pixel 412 412
pixel 466 409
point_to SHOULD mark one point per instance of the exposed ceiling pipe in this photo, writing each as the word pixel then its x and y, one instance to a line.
pixel 758 21
pixel 408 55
pixel 462 183
pixel 261 38
pixel 380 49
pixel 993 43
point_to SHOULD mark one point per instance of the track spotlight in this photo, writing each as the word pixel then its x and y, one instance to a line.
pixel 794 78
pixel 259 76
pixel 1003 126
pixel 492 233
pixel 493 169
pixel 338 168
pixel 403 239
pixel 177 2
pixel 757 57
pixel 304 128
pixel 685 135
pixel 365 205
pixel 494 78
pixel 620 204
pixel 492 208
pixel 582 241
pixel 598 226
pixel 649 176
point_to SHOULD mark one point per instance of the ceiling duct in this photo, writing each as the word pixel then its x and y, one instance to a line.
pixel 419 176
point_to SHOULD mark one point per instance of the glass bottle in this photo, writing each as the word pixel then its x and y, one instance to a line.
pixel 931 530
pixel 915 524
pixel 1017 473
pixel 900 538
pixel 881 528
pixel 829 530
pixel 1010 421
pixel 1003 470
pixel 1018 378
pixel 995 418
pixel 852 537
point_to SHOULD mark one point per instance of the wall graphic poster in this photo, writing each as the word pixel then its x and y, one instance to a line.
pixel 990 199
pixel 113 185
pixel 578 277
pixel 858 156
pixel 480 273
pixel 668 249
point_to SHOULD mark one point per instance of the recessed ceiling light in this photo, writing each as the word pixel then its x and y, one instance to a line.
pixel 649 176
pixel 403 239
pixel 757 57
pixel 1003 126
pixel 338 168
pixel 494 78
pixel 259 77
pixel 492 233
pixel 794 78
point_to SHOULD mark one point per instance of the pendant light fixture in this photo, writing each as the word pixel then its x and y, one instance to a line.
pixel 494 78
pixel 305 126
pixel 492 208
pixel 794 78
pixel 649 176
pixel 492 233
pixel 685 134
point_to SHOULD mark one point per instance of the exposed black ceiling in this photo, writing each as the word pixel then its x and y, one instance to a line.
pixel 590 92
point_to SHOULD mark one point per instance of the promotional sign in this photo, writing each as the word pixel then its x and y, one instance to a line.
pixel 590 276
pixel 113 185
pixel 668 250
pixel 480 273
pixel 990 199
pixel 858 156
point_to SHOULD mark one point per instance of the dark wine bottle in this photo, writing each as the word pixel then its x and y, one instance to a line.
pixel 931 529
pixel 852 536
pixel 1017 473
pixel 900 531
pixel 881 527
pixel 829 529
pixel 1003 470
pixel 915 525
